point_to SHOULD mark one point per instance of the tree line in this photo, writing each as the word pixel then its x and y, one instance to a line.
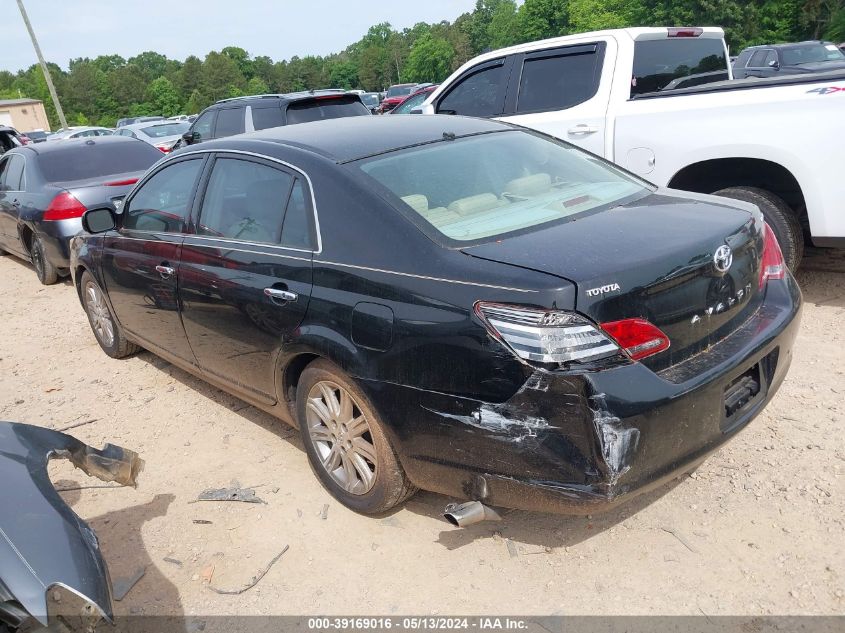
pixel 99 91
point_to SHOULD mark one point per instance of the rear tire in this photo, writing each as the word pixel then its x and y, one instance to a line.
pixel 106 330
pixel 46 272
pixel 344 437
pixel 780 217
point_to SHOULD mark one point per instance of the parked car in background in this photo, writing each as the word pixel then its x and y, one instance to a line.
pixel 137 119
pixel 38 136
pixel 162 135
pixel 10 138
pixel 371 100
pixel 608 92
pixel 450 303
pixel 788 59
pixel 412 104
pixel 395 95
pixel 80 131
pixel 247 114
pixel 45 188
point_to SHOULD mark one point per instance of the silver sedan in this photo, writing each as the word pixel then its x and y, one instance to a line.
pixel 161 134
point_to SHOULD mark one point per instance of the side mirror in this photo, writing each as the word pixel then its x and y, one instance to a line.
pixel 774 64
pixel 98 220
pixel 190 137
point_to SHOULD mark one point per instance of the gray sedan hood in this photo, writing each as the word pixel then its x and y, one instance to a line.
pixel 43 544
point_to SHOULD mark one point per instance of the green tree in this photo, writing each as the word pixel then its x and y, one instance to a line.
pixel 218 75
pixel 163 97
pixel 430 60
pixel 503 29
pixel 344 74
pixel 541 19
pixel 257 86
pixel 241 59
pixel 150 63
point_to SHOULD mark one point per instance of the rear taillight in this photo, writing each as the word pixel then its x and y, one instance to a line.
pixel 637 337
pixel 772 266
pixel 64 207
pixel 165 148
pixel 685 31
pixel 546 336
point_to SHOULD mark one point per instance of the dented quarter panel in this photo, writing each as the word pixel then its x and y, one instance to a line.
pixel 42 541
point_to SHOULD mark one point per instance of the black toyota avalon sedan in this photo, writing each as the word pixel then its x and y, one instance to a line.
pixel 451 304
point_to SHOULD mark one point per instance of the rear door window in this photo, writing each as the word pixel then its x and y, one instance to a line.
pixel 659 63
pixel 761 59
pixel 229 122
pixel 481 93
pixel 561 79
pixel 163 202
pixel 296 231
pixel 245 200
pixel 325 108
pixel 263 118
pixel 12 178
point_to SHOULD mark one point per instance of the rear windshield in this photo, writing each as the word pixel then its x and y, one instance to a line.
pixel 482 187
pixel 77 160
pixel 678 62
pixel 399 91
pixel 811 54
pixel 166 129
pixel 325 108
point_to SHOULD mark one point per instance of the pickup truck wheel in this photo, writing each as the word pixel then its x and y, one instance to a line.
pixel 345 441
pixel 781 218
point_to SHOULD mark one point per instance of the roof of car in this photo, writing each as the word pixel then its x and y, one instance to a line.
pixel 47 148
pixel 349 138
pixel 789 44
pixel 144 124
pixel 287 96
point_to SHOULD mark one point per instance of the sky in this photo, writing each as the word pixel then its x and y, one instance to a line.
pixel 280 29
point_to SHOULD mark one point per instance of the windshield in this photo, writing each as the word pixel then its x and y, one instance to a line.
pixel 320 108
pixel 411 102
pixel 485 186
pixel 811 53
pixel 166 129
pixel 658 64
pixel 370 99
pixel 399 91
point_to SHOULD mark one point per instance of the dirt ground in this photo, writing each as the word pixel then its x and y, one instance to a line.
pixel 758 529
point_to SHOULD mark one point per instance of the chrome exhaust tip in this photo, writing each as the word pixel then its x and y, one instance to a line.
pixel 464 514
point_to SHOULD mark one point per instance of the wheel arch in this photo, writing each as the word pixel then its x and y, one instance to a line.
pixel 709 175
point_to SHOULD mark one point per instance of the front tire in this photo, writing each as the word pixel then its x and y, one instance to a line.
pixel 106 330
pixel 47 273
pixel 345 441
pixel 780 217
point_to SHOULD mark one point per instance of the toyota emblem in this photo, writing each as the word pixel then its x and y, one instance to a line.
pixel 723 258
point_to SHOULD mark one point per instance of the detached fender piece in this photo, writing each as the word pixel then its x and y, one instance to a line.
pixel 44 546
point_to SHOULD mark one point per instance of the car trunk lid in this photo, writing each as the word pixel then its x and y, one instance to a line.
pixel 653 259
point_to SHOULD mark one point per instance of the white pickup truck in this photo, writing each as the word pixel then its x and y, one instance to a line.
pixel 660 102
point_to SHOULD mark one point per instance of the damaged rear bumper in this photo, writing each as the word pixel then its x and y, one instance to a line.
pixel 585 442
pixel 44 547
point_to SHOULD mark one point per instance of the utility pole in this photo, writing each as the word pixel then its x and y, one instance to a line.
pixel 46 70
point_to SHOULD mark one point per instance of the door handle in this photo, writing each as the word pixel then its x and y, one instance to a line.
pixel 165 271
pixel 582 129
pixel 283 295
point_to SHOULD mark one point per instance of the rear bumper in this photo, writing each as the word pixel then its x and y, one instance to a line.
pixel 586 442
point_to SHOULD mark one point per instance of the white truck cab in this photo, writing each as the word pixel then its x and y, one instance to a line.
pixel 661 103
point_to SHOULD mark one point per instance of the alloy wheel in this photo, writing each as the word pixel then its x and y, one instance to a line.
pixel 341 436
pixel 98 312
pixel 38 259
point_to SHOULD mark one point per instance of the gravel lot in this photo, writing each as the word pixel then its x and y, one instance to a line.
pixel 758 529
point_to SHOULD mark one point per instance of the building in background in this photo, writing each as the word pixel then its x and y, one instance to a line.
pixel 24 114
